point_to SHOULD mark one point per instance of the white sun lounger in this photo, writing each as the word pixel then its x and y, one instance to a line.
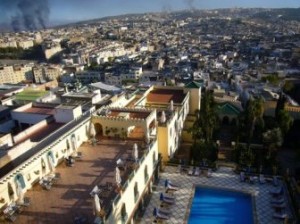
pixel 262 179
pixel 279 215
pixel 277 192
pixel 277 200
pixel 191 171
pixel 197 171
pixel 242 177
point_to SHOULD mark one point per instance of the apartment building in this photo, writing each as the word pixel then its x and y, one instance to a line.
pixel 150 121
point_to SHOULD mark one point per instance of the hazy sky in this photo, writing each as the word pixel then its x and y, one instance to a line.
pixel 74 10
pixel 83 9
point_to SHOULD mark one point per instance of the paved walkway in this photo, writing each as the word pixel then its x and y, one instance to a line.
pixel 225 178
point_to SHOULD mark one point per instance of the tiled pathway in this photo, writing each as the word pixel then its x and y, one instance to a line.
pixel 225 178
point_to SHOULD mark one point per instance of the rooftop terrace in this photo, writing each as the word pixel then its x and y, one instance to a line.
pixel 70 196
pixel 166 95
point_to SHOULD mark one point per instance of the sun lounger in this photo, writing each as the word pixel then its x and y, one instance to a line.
pixel 277 206
pixel 11 218
pixel 191 171
pixel 166 200
pixel 26 202
pixel 251 179
pixel 197 171
pixel 277 192
pixel 277 200
pixel 208 173
pixel 167 196
pixel 170 186
pixel 279 215
pixel 45 184
pixel 262 179
pixel 164 211
pixel 275 181
pixel 242 177
pixel 159 215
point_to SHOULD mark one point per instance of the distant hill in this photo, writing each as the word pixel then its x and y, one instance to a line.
pixel 286 14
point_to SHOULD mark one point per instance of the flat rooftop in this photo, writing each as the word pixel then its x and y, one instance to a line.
pixel 70 196
pixel 41 133
pixel 165 96
pixel 40 110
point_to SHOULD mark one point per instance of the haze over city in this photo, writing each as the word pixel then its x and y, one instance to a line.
pixel 47 13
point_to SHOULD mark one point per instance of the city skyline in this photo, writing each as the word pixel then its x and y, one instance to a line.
pixel 75 10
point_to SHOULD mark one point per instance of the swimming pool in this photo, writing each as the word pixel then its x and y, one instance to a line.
pixel 220 206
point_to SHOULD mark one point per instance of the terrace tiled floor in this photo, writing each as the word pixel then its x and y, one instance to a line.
pixel 223 178
pixel 69 197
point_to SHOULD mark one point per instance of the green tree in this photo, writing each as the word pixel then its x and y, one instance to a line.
pixel 285 121
pixel 280 104
pixel 253 116
pixel 208 116
pixel 272 140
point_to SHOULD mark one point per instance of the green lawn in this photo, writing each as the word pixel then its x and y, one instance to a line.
pixel 30 95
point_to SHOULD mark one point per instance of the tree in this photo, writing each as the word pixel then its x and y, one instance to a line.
pixel 208 116
pixel 280 104
pixel 272 139
pixel 253 115
pixel 285 121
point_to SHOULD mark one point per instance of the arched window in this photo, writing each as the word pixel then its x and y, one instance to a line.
pixel 20 179
pixel 43 166
pixel 68 144
pixel 146 174
pixel 154 158
pixel 136 192
pixel 124 213
pixel 10 191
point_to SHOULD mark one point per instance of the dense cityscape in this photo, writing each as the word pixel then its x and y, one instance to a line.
pixel 173 117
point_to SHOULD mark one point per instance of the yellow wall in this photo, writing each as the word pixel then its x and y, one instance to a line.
pixel 127 196
pixel 163 146
pixel 195 100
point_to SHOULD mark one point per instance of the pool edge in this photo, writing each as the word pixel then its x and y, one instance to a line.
pixel 253 200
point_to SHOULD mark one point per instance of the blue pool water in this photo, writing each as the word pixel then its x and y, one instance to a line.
pixel 218 206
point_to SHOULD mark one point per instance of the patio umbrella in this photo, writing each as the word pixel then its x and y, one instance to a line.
pixel 171 105
pixel 74 144
pixel 118 176
pixel 51 164
pixel 163 117
pixel 97 205
pixel 20 193
pixel 135 152
pixel 92 130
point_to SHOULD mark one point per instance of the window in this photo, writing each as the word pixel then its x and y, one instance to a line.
pixel 136 192
pixel 68 144
pixel 146 174
pixel 124 216
pixel 154 158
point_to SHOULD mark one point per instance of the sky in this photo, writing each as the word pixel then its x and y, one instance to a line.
pixel 75 10
pixel 85 9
